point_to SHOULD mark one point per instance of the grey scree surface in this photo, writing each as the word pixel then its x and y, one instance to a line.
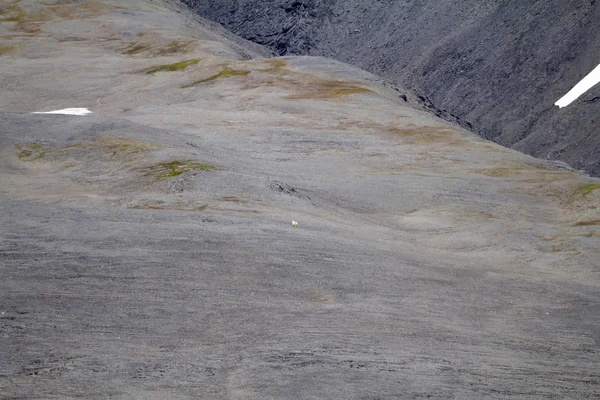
pixel 147 250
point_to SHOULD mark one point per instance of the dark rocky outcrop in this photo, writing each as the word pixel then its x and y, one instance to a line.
pixel 498 65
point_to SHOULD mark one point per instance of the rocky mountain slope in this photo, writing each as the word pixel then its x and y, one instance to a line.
pixel 497 66
pixel 147 249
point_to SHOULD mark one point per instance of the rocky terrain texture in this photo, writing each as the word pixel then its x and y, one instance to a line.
pixel 495 66
pixel 147 250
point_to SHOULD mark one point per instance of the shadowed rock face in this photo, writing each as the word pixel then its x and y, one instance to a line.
pixel 496 65
pixel 147 249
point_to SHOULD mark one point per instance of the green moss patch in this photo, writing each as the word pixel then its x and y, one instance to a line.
pixel 170 206
pixel 233 199
pixel 64 10
pixel 178 66
pixel 172 169
pixel 135 48
pixel 176 47
pixel 153 50
pixel 31 152
pixel 25 22
pixel 13 13
pixel 323 88
pixel 501 172
pixel 587 189
pixel 109 149
pixel 595 222
pixel 427 135
pixel 329 93
pixel 123 148
pixel 273 65
pixel 7 49
pixel 276 64
pixel 224 73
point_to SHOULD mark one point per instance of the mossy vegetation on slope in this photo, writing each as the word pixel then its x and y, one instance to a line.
pixel 15 12
pixel 153 50
pixel 112 149
pixel 175 206
pixel 172 169
pixel 31 152
pixel 178 66
pixel 135 48
pixel 446 136
pixel 110 154
pixel 176 47
pixel 595 222
pixel 587 189
pixel 305 86
pixel 7 49
pixel 223 73
pixel 12 13
pixel 330 90
pixel 502 172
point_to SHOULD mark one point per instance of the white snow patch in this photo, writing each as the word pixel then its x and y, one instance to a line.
pixel 592 79
pixel 67 111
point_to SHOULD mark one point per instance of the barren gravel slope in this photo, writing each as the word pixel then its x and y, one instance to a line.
pixel 147 252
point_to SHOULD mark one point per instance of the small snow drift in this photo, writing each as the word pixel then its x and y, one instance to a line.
pixel 67 111
pixel 592 79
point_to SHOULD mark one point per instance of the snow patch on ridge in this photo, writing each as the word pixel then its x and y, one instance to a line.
pixel 592 79
pixel 67 111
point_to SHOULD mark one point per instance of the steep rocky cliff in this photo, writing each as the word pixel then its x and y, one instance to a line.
pixel 498 66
